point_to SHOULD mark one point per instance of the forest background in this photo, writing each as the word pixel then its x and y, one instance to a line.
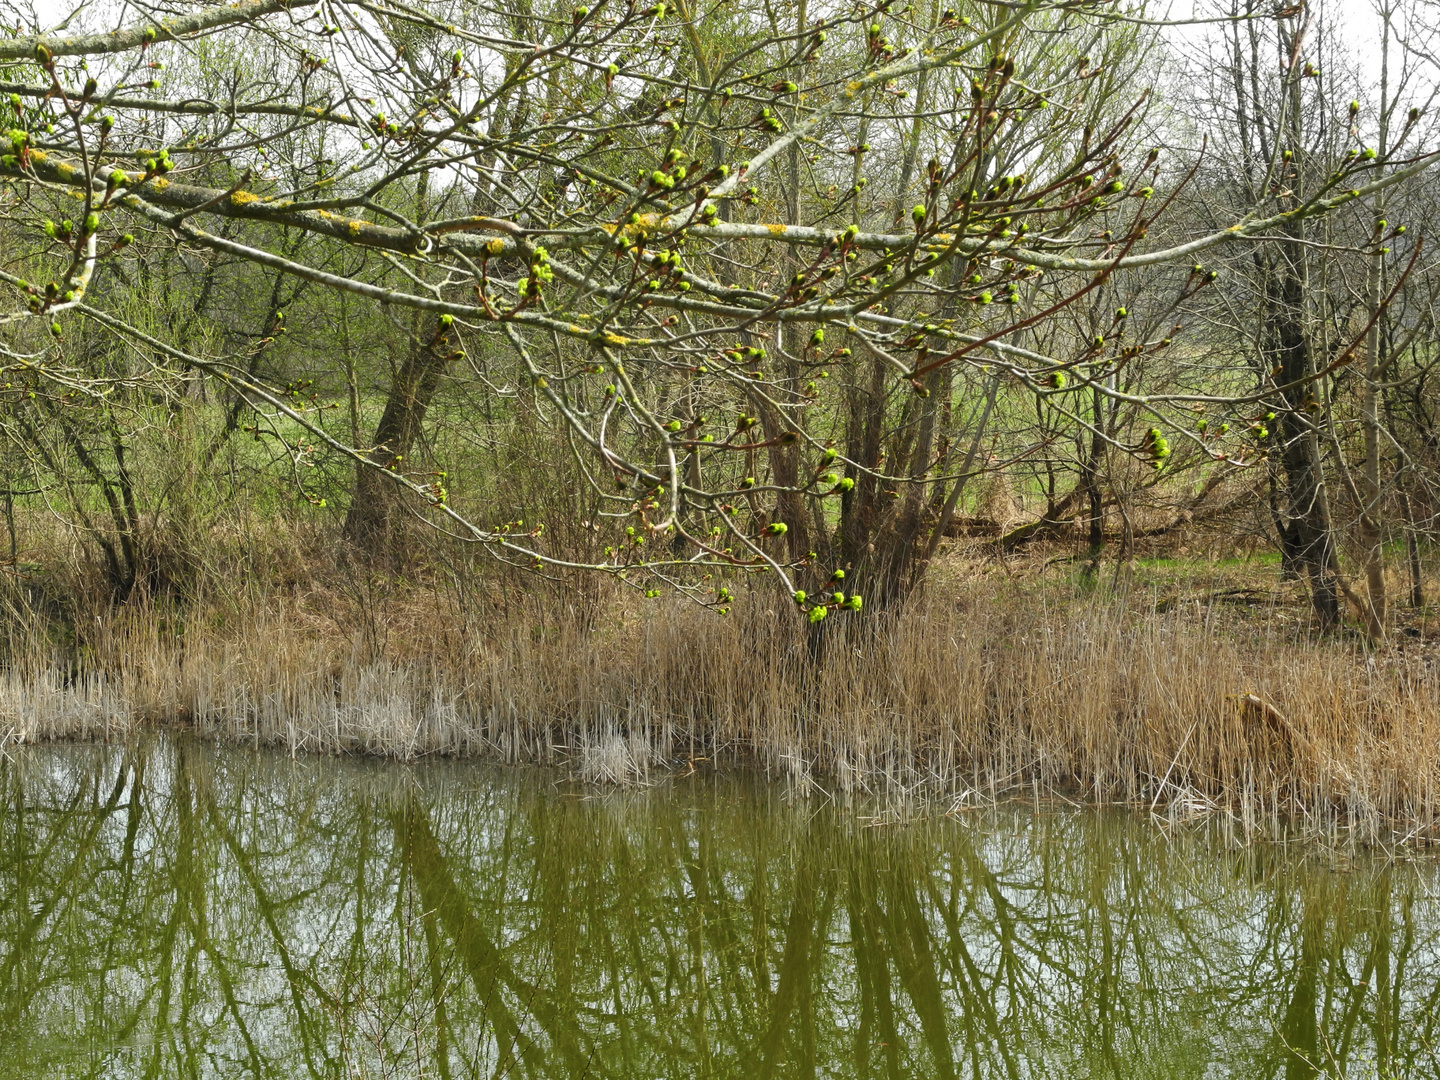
pixel 973 397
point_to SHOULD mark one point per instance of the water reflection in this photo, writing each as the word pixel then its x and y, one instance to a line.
pixel 170 910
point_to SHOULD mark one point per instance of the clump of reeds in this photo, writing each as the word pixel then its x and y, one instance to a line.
pixel 1088 698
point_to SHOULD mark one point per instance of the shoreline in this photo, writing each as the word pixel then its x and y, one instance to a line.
pixel 1089 700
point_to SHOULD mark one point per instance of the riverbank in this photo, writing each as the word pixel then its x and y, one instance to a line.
pixel 1167 694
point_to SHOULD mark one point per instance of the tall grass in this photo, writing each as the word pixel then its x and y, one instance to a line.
pixel 1034 692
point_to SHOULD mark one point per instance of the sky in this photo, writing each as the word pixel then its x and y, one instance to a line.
pixel 1354 24
pixel 1356 17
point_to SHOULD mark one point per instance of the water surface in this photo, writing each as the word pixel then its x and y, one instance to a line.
pixel 172 910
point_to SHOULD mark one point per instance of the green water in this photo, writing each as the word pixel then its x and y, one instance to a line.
pixel 170 910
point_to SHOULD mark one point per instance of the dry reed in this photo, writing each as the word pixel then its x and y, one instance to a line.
pixel 1089 700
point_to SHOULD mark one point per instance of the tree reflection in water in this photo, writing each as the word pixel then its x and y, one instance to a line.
pixel 173 910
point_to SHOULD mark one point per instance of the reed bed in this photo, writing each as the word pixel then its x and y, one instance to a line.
pixel 1082 698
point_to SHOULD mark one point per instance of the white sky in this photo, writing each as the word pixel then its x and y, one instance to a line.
pixel 1358 16
pixel 1354 24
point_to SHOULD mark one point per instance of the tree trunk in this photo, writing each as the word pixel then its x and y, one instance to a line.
pixel 377 505
pixel 1091 475
pixel 1307 533
pixel 1412 549
pixel 1309 536
pixel 1371 494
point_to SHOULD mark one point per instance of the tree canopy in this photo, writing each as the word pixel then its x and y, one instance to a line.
pixel 773 276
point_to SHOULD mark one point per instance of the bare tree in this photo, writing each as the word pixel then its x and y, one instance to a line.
pixel 1316 311
pixel 766 277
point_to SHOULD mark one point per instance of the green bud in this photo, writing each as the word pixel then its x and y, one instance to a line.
pixel 799 596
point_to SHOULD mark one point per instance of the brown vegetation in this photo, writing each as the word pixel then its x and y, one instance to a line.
pixel 996 680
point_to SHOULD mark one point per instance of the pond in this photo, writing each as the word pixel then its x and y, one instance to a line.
pixel 170 909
